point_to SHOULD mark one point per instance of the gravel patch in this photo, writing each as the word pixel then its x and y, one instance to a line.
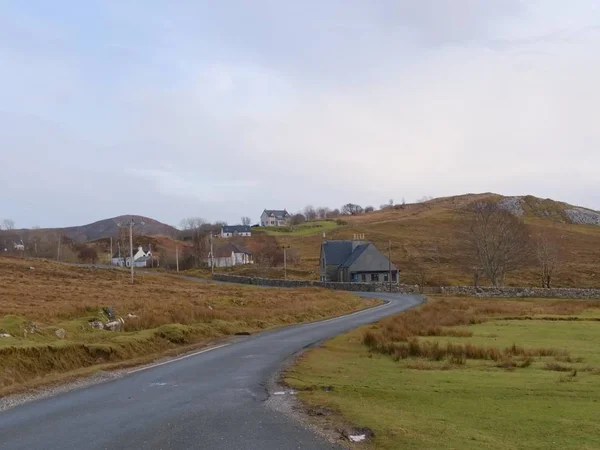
pixel 290 406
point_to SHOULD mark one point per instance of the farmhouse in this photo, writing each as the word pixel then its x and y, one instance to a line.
pixel 229 255
pixel 236 230
pixel 274 218
pixel 141 258
pixel 355 261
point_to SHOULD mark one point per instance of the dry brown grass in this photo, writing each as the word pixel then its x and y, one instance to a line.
pixel 415 229
pixel 55 292
pixel 172 312
pixel 398 336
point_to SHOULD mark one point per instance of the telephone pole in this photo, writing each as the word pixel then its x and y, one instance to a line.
pixel 177 255
pixel 212 258
pixel 111 253
pixel 131 261
pixel 58 249
pixel 285 247
pixel 390 264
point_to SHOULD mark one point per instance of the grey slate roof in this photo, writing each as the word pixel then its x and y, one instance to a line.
pixel 355 255
pixel 337 252
pixel 365 256
pixel 236 229
pixel 278 213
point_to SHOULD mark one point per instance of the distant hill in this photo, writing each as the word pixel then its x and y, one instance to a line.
pixel 108 227
pixel 429 245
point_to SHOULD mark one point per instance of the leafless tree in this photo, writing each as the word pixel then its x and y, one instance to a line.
pixel 334 213
pixel 246 220
pixel 323 212
pixel 548 251
pixel 499 240
pixel 369 209
pixel 297 219
pixel 310 213
pixel 8 224
pixel 351 209
pixel 199 231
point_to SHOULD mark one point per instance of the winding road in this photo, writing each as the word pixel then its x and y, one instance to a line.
pixel 214 399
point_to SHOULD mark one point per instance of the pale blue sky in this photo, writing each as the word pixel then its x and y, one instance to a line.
pixel 221 109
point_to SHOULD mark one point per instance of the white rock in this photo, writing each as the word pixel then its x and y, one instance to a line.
pixel 3 335
pixel 115 325
pixel 131 316
pixel 60 333
pixel 357 437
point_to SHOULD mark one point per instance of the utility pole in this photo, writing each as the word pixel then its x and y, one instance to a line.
pixel 131 261
pixel 58 249
pixel 285 247
pixel 212 259
pixel 151 258
pixel 177 255
pixel 390 264
pixel 111 253
pixel 131 223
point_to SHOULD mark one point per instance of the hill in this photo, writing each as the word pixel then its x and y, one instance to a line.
pixel 107 228
pixel 428 239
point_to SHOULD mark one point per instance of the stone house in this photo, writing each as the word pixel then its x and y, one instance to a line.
pixel 229 255
pixel 236 230
pixel 355 261
pixel 274 218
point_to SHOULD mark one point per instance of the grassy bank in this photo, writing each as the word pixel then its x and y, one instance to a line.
pixel 305 229
pixel 40 300
pixel 468 374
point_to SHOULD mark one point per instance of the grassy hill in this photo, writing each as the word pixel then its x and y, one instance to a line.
pixel 101 229
pixel 428 239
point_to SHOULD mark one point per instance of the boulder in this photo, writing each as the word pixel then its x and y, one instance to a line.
pixel 4 335
pixel 60 333
pixel 96 324
pixel 115 325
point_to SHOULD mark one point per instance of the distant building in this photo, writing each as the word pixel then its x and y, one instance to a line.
pixel 19 246
pixel 355 261
pixel 229 255
pixel 141 258
pixel 274 218
pixel 236 230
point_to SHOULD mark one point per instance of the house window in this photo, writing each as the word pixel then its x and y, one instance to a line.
pixel 363 277
pixel 386 277
pixel 374 277
pixel 394 276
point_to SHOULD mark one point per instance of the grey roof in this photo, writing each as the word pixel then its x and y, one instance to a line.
pixel 354 255
pixel 278 213
pixel 336 252
pixel 365 256
pixel 236 229
pixel 143 258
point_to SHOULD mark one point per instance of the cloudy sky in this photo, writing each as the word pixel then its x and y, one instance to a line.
pixel 221 109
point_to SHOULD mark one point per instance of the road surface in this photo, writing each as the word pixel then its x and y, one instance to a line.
pixel 212 400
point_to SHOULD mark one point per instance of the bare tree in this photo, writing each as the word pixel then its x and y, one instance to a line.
pixel 246 220
pixel 297 219
pixel 310 213
pixel 199 231
pixel 548 251
pixel 350 209
pixel 334 213
pixel 323 212
pixel 369 209
pixel 8 224
pixel 500 241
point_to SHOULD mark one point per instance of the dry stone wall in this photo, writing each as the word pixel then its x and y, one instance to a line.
pixel 471 291
pixel 358 287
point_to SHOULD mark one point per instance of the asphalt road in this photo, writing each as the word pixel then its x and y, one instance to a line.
pixel 213 400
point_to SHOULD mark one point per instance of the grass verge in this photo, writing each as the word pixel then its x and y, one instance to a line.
pixel 463 373
pixel 46 311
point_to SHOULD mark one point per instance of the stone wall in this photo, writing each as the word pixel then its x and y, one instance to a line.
pixel 273 282
pixel 466 291
pixel 471 291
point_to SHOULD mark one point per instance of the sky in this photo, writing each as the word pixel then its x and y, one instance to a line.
pixel 222 109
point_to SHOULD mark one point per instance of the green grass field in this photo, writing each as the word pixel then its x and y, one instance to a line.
pixel 305 229
pixel 539 402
